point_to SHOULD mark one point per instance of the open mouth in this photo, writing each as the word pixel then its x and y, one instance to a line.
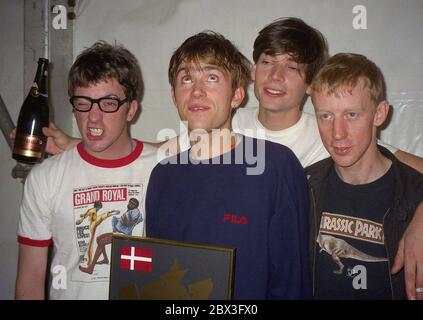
pixel 274 92
pixel 95 132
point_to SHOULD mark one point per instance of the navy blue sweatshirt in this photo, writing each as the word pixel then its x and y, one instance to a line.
pixel 264 216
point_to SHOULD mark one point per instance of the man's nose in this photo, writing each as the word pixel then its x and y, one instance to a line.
pixel 95 113
pixel 198 89
pixel 278 73
pixel 339 129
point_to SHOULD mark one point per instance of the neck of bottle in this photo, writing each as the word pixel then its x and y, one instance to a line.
pixel 41 77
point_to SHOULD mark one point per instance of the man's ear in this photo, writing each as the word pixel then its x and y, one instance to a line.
pixel 253 73
pixel 238 97
pixel 132 110
pixel 382 111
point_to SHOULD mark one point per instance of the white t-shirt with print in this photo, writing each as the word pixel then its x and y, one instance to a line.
pixel 58 206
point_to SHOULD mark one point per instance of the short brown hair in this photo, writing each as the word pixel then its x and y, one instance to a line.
pixel 294 37
pixel 345 70
pixel 103 61
pixel 216 49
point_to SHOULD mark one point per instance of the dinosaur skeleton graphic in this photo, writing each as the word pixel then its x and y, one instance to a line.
pixel 338 248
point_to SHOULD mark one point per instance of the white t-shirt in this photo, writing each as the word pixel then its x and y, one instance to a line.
pixel 302 138
pixel 60 205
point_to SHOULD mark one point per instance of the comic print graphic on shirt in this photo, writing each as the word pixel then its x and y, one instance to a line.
pixel 98 211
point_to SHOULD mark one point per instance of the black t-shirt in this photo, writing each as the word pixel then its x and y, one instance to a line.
pixel 351 257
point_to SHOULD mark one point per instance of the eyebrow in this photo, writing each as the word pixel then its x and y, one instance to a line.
pixel 289 59
pixel 110 95
pixel 209 67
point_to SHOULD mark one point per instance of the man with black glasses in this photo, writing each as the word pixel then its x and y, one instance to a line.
pixel 108 167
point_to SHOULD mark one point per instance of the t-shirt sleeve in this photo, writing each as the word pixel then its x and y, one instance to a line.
pixel 392 149
pixel 288 238
pixel 35 213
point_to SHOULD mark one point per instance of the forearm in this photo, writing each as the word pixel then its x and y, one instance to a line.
pixel 32 265
pixel 418 216
pixel 410 255
pixel 410 160
pixel 29 287
pixel 58 141
pixel 73 142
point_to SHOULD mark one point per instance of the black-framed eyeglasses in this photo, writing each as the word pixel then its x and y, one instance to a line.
pixel 106 104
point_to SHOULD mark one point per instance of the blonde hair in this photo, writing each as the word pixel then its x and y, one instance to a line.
pixel 346 70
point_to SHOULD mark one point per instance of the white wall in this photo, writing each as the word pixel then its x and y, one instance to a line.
pixel 153 29
pixel 12 91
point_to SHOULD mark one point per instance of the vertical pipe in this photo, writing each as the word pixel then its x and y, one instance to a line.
pixel 46 29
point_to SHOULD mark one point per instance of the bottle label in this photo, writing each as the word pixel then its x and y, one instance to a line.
pixel 29 145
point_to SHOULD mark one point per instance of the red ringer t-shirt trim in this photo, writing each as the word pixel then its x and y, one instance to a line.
pixel 34 243
pixel 115 163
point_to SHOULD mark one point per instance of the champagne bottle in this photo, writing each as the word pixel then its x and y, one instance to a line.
pixel 30 142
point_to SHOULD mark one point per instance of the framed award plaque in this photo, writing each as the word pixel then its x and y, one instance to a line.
pixel 155 269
